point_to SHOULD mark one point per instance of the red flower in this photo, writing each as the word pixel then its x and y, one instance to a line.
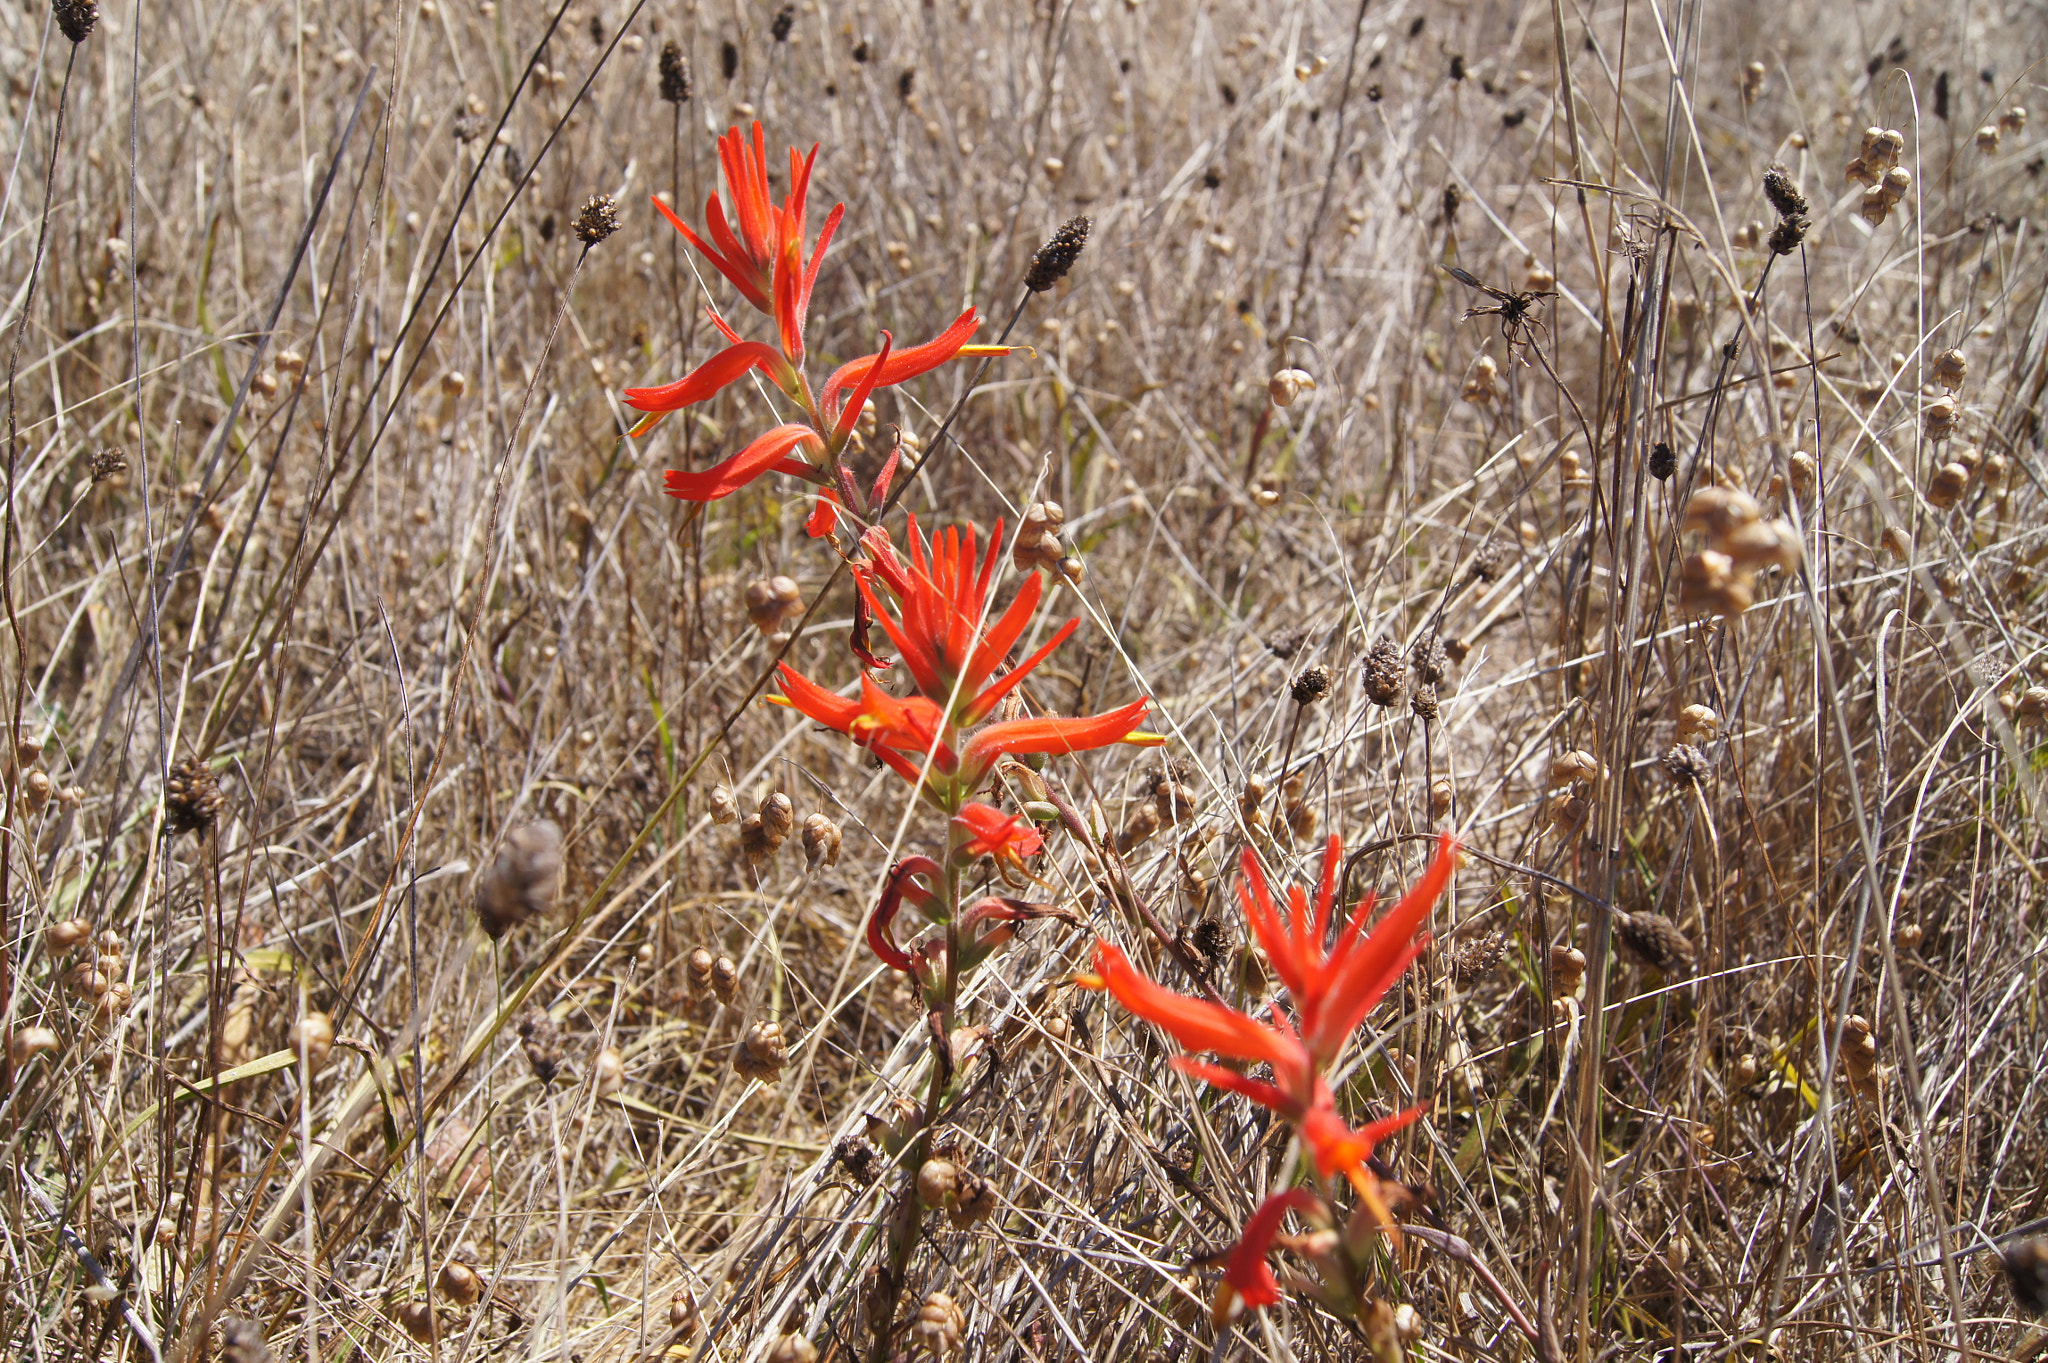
pixel 1248 1284
pixel 985 831
pixel 769 450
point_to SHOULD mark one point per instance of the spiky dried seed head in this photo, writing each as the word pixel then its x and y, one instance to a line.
pixel 1383 673
pixel 761 1052
pixel 2026 1272
pixel 460 1283
pixel 793 1349
pixel 522 880
pixel 784 22
pixel 859 1158
pixel 1487 561
pixel 1475 960
pixel 1783 194
pixel 76 19
pixel 1686 764
pixel 725 979
pixel 242 1341
pixel 1663 461
pixel 192 796
pixel 598 220
pixel 822 841
pixel 110 462
pixel 1049 265
pixel 939 1326
pixel 542 1043
pixel 1430 661
pixel 1653 940
pixel 1310 685
pixel 1786 236
pixel 675 73
pixel 1422 702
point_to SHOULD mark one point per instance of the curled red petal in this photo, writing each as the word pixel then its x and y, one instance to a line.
pixel 1248 1284
pixel 879 940
pixel 724 479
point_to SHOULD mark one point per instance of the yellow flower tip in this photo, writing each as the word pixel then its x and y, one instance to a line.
pixel 645 424
pixel 988 349
pixel 1090 981
pixel 1368 1189
pixel 775 700
pixel 1138 738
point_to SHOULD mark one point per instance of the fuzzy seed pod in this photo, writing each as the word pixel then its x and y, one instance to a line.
pixel 725 806
pixel 1909 936
pixel 598 219
pixel 1948 485
pixel 64 935
pixel 938 1184
pixel 2026 1272
pixel 1482 383
pixel 675 74
pixel 417 1319
pixel 76 19
pixel 772 602
pixel 1311 684
pixel 939 1326
pixel 192 797
pixel 1686 764
pixel 1577 765
pixel 608 1072
pixel 1383 673
pixel 542 1044
pixel 683 1315
pixel 29 1042
pixel 1783 194
pixel 1475 960
pixel 725 979
pixel 1049 265
pixel 1653 940
pixel 793 1349
pixel 761 1052
pixel 313 1036
pixel 522 880
pixel 822 841
pixel 460 1283
pixel 1951 367
pixel 1286 385
pixel 1939 417
pixel 1567 971
pixel 1440 796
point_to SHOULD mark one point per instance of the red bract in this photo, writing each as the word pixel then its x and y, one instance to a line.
pixel 761 251
pixel 985 831
pixel 1247 1283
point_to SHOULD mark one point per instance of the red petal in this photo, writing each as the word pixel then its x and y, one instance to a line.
pixel 722 480
pixel 813 701
pixel 1049 736
pixel 1246 1272
pixel 1196 1024
pixel 1361 971
pixel 844 427
pixel 727 366
pixel 907 363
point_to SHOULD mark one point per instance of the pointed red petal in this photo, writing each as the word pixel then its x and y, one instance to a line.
pixel 907 363
pixel 1369 967
pixel 844 426
pixel 707 379
pixel 1196 1024
pixel 724 479
pixel 1055 735
pixel 985 703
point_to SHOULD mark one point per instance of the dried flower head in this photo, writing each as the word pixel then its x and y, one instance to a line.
pixel 1311 684
pixel 1686 764
pixel 1783 194
pixel 1429 659
pixel 1038 539
pixel 542 1043
pixel 523 879
pixel 192 796
pixel 1652 940
pixel 76 19
pixel 1383 673
pixel 675 73
pixel 1663 461
pixel 1487 561
pixel 1422 702
pixel 1786 236
pixel 1049 265
pixel 242 1341
pixel 598 220
pixel 784 22
pixel 2026 1272
pixel 1475 960
pixel 762 1052
pixel 110 462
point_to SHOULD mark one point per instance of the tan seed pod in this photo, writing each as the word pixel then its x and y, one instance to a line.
pixel 1577 766
pixel 725 979
pixel 683 1315
pixel 1948 485
pixel 29 1042
pixel 1143 822
pixel 1717 511
pixel 761 1052
pixel 1708 583
pixel 1909 936
pixel 86 981
pixel 1287 385
pixel 939 1326
pixel 417 1319
pixel 453 384
pixel 1898 182
pixel 1536 278
pixel 938 1183
pixel 772 602
pixel 1939 417
pixel 1568 814
pixel 1988 138
pixel 114 1003
pixel 725 808
pixel 460 1283
pixel 523 880
pixel 697 972
pixel 1745 1071
pixel 1805 475
pixel 2026 1273
pixel 36 789
pixel 1250 801
pixel 1440 797
pixel 754 840
pixel 1698 723
pixel 608 1072
pixel 2033 704
pixel 1876 206
pixel 822 841
pixel 976 1203
pixel 795 1348
pixel 1652 940
pixel 1951 367
pixel 1303 819
pixel 66 934
pixel 778 816
pixel 1859 1058
pixel 1858 172
pixel 1567 971
pixel 313 1037
pixel 2014 120
pixel 1762 544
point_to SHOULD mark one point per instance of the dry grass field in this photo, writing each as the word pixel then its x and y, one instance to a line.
pixel 1684 553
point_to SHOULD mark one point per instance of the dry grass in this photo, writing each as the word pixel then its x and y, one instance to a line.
pixel 398 621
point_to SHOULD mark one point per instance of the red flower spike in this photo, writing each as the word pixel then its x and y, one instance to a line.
pixel 985 831
pixel 767 451
pixel 1248 1285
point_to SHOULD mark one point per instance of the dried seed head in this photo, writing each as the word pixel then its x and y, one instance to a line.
pixel 1383 673
pixel 1038 539
pixel 1697 722
pixel 725 808
pixel 1567 971
pixel 2026 1272
pixel 683 1316
pixel 1481 383
pixel 1475 960
pixel 1752 81
pixel 192 796
pixel 1440 797
pixel 108 463
pixel 460 1283
pixel 64 935
pixel 1951 366
pixel 75 18
pixel 1940 417
pixel 242 1341
pixel 822 840
pixel 1709 584
pixel 784 22
pixel 772 602
pixel 598 220
pixel 1310 685
pixel 1662 461
pixel 725 979
pixel 313 1036
pixel 417 1319
pixel 608 1072
pixel 1052 261
pixel 793 1349
pixel 1897 182
pixel 1783 194
pixel 523 879
pixel 761 1052
pixel 938 1183
pixel 1786 236
pixel 778 816
pixel 1860 1057
pixel 2014 120
pixel 542 1044
pixel 1429 659
pixel 1568 814
pixel 976 1202
pixel 1653 940
pixel 1948 485
pixel 859 1158
pixel 1909 936
pixel 29 1042
pixel 1577 765
pixel 1762 544
pixel 1686 764
pixel 1287 384
pixel 754 841
pixel 675 73
pixel 1422 701
pixel 940 1324
pixel 697 972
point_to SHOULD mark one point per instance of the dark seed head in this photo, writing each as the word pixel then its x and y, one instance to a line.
pixel 1475 960
pixel 785 20
pixel 1653 940
pixel 1383 673
pixel 729 59
pixel 1429 660
pixel 1454 199
pixel 906 82
pixel 1663 460
pixel 1486 563
pixel 1212 940
pixel 1783 194
pixel 522 882
pixel 1422 700
pixel 675 73
pixel 242 1341
pixel 542 1044
pixel 598 220
pixel 597 29
pixel 111 462
pixel 1311 684
pixel 2026 1268
pixel 192 797
pixel 1457 66
pixel 1049 265
pixel 76 18
pixel 1787 235
pixel 1686 764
